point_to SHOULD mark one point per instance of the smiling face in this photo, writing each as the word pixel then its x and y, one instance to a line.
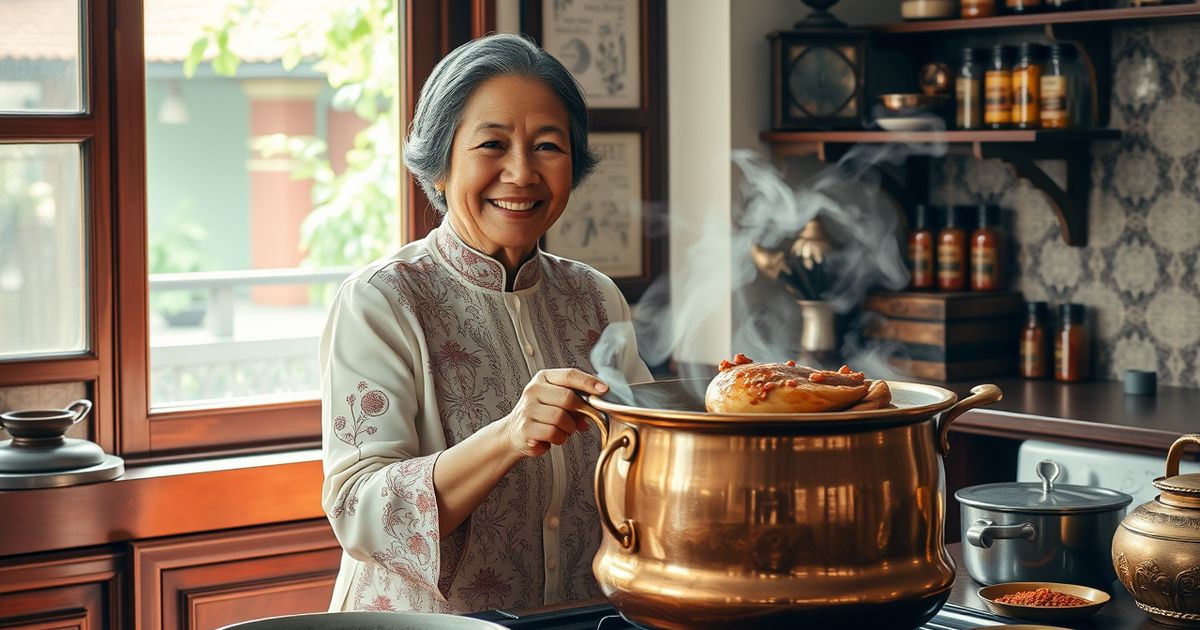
pixel 510 168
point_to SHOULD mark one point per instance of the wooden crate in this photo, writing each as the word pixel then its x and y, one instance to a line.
pixel 950 336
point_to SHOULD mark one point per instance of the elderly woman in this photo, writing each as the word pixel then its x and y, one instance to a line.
pixel 457 473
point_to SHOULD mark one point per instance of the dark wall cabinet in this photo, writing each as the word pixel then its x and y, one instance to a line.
pixel 194 582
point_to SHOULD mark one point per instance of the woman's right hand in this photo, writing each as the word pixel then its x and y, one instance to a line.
pixel 544 413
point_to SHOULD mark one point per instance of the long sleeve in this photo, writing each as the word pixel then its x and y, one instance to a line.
pixel 378 491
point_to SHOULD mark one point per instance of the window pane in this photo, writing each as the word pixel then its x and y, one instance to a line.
pixel 39 56
pixel 43 294
pixel 272 170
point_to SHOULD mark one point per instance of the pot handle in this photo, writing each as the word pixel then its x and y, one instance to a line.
pixel 980 395
pixel 983 532
pixel 81 408
pixel 1176 452
pixel 624 533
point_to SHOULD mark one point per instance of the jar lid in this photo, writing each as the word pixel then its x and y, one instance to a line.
pixel 1044 496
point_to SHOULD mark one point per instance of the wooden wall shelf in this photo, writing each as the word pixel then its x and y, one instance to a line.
pixel 1020 148
pixel 1128 14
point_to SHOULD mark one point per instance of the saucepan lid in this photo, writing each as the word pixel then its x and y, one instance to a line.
pixel 1043 497
pixel 366 621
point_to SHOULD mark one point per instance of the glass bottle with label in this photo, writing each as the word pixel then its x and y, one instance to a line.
pixel 1072 356
pixel 969 9
pixel 987 251
pixel 997 89
pixel 968 89
pixel 952 253
pixel 1055 110
pixel 1027 87
pixel 921 248
pixel 1034 353
pixel 1019 7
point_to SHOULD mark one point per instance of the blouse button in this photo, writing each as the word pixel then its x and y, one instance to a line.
pixel 552 523
pixel 552 564
pixel 529 349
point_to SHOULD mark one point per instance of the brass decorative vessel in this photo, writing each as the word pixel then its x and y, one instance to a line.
pixel 1156 550
pixel 774 520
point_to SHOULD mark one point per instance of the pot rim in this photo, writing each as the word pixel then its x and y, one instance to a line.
pixel 863 419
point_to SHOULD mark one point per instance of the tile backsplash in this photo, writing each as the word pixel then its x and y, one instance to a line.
pixel 1140 272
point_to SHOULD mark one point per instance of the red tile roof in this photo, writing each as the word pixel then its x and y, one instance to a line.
pixel 46 29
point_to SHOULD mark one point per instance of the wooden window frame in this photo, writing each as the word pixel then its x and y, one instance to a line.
pixel 431 29
pixel 92 131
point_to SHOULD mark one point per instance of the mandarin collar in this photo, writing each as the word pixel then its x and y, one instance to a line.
pixel 478 268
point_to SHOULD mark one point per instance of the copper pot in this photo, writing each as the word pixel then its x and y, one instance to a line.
pixel 774 520
pixel 1156 550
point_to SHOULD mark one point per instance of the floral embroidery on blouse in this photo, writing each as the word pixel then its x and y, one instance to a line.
pixel 373 403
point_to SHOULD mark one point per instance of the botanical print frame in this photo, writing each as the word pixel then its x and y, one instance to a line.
pixel 603 224
pixel 599 41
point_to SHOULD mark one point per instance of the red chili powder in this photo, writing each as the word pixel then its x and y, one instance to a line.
pixel 1042 597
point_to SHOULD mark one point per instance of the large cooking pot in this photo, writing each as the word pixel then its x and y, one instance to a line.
pixel 774 520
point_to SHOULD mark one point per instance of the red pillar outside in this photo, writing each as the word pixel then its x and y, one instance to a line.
pixel 278 203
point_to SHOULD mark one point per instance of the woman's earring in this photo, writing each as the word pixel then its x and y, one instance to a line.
pixel 440 187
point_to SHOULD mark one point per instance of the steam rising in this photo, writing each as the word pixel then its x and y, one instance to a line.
pixel 862 223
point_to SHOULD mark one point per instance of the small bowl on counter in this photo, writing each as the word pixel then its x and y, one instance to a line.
pixel 1095 598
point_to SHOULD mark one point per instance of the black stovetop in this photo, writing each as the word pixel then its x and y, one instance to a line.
pixel 605 617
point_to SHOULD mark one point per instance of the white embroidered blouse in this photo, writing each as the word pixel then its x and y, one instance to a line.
pixel 421 350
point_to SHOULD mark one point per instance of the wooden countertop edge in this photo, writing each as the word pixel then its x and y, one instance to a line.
pixel 1016 425
pixel 164 500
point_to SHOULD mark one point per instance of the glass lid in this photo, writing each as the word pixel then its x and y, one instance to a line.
pixel 1044 496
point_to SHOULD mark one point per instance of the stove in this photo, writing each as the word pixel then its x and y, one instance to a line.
pixel 605 617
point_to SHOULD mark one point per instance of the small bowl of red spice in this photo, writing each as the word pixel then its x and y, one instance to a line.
pixel 1043 601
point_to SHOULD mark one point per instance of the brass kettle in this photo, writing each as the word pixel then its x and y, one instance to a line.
pixel 1156 550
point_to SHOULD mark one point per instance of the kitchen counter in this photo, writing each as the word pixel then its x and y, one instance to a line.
pixel 1092 413
pixel 1119 614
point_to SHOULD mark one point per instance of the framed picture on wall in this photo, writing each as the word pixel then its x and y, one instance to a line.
pixel 603 223
pixel 599 41
pixel 617 221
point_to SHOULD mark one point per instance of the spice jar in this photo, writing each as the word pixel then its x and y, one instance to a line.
pixel 987 251
pixel 977 8
pixel 968 91
pixel 1034 359
pixel 997 89
pixel 1027 85
pixel 920 249
pixel 1055 91
pixel 1022 6
pixel 952 253
pixel 1071 351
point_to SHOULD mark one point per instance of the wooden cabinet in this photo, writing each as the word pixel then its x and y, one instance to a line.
pixel 76 590
pixel 211 580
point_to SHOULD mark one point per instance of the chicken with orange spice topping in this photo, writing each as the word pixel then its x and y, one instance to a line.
pixel 743 386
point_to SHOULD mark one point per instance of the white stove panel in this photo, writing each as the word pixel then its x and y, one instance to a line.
pixel 1126 472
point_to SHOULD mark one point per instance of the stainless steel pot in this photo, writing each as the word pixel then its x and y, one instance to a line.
pixel 774 520
pixel 1040 532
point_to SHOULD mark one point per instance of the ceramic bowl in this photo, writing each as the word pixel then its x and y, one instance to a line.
pixel 1049 614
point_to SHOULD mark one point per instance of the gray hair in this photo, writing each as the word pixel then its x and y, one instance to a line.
pixel 454 80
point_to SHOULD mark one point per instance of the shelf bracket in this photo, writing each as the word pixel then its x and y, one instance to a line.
pixel 1071 204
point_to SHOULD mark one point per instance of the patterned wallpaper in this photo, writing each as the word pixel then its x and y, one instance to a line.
pixel 1140 272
